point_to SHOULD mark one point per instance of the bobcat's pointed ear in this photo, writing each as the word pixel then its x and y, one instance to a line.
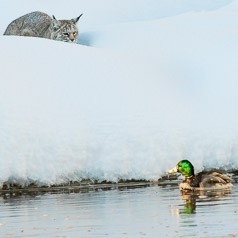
pixel 75 20
pixel 55 23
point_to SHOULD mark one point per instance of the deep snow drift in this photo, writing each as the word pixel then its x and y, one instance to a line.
pixel 150 83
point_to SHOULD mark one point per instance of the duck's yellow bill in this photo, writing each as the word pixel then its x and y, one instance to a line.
pixel 172 171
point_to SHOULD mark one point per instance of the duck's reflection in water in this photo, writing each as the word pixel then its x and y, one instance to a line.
pixel 201 198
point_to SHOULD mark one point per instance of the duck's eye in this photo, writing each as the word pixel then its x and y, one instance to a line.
pixel 66 34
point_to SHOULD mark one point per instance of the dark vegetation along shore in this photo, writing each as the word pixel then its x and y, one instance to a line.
pixel 13 189
pixel 84 186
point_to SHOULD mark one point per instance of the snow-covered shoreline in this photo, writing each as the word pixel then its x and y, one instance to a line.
pixel 137 96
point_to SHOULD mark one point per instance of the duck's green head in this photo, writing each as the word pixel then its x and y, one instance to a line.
pixel 184 167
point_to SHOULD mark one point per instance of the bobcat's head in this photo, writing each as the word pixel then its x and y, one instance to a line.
pixel 64 30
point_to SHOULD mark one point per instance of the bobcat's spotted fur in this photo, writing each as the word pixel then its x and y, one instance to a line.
pixel 39 24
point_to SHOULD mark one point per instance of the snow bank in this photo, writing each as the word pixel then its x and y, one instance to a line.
pixel 150 88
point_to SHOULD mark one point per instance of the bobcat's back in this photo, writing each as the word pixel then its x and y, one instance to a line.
pixel 32 24
pixel 39 24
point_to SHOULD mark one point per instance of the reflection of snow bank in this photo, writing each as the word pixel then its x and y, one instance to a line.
pixel 156 92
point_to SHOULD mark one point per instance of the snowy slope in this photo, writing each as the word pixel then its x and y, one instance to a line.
pixel 150 83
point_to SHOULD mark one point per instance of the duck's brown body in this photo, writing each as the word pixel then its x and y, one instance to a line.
pixel 206 180
pixel 201 181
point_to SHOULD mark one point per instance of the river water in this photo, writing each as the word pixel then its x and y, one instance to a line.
pixel 146 211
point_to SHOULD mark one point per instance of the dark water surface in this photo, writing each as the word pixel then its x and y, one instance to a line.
pixel 152 211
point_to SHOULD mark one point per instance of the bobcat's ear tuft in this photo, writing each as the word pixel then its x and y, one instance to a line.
pixel 75 20
pixel 55 23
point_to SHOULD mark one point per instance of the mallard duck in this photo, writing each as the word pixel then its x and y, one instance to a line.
pixel 201 181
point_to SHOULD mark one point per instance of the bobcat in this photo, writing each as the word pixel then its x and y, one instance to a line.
pixel 39 24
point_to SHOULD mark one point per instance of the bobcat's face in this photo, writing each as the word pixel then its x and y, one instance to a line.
pixel 64 30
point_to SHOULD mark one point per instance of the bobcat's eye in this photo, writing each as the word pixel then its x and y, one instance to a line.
pixel 75 33
pixel 66 34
